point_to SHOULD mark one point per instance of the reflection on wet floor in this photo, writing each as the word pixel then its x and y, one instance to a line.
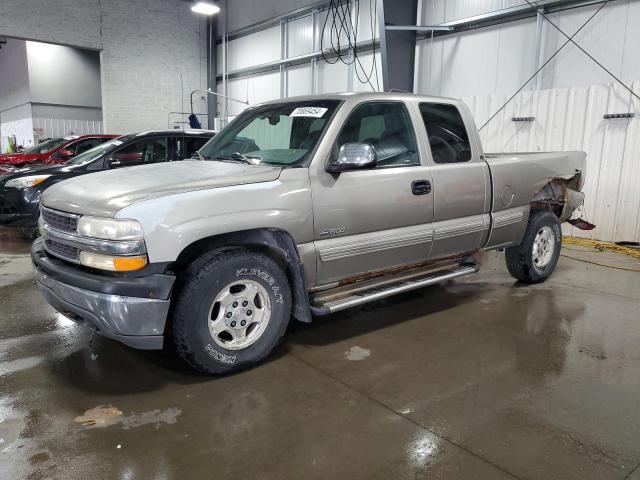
pixel 476 378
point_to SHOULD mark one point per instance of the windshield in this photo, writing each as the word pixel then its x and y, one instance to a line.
pixel 95 152
pixel 49 145
pixel 281 134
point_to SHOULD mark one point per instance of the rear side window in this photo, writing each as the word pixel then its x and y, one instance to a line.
pixel 448 136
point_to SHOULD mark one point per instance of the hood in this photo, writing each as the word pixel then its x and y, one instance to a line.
pixel 36 169
pixel 18 158
pixel 104 193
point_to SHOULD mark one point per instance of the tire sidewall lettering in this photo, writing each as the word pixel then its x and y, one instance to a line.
pixel 266 278
pixel 220 357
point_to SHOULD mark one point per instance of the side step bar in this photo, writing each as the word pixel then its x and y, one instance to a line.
pixel 386 291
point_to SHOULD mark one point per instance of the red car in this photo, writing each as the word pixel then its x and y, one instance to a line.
pixel 55 150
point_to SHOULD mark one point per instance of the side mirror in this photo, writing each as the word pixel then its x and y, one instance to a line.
pixel 353 156
pixel 112 162
pixel 66 154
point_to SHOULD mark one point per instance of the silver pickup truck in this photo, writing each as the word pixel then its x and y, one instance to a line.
pixel 299 207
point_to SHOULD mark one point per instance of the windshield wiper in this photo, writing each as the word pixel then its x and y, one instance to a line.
pixel 234 157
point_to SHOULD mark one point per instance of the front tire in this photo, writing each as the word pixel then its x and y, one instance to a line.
pixel 231 311
pixel 535 259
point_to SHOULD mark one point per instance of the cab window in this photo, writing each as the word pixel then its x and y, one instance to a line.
pixel 447 134
pixel 387 127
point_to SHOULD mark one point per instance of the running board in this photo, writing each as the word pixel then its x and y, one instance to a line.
pixel 389 290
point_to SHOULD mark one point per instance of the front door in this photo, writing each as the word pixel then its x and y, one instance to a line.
pixel 375 219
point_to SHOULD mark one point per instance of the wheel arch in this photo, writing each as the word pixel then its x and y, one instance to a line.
pixel 276 243
pixel 559 195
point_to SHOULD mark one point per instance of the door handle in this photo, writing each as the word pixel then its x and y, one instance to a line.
pixel 420 187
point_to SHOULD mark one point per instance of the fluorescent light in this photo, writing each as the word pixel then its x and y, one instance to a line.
pixel 205 8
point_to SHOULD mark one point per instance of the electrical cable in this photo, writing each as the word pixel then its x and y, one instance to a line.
pixel 542 66
pixel 343 25
pixel 601 264
pixel 600 246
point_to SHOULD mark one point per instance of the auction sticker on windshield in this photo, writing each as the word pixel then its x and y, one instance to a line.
pixel 314 112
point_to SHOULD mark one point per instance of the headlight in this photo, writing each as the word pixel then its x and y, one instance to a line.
pixel 115 264
pixel 26 182
pixel 109 228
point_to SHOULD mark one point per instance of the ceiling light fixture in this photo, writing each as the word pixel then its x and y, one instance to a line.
pixel 205 8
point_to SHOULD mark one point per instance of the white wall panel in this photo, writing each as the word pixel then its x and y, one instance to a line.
pixel 604 38
pixel 439 11
pixel 367 24
pixel 299 80
pixel 59 127
pixel 332 77
pixel 499 59
pixel 300 36
pixel 488 60
pixel 254 49
pixel 571 119
pixel 21 129
pixel 255 89
pixel 631 58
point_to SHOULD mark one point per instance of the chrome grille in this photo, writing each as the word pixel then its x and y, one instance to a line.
pixel 61 250
pixel 65 222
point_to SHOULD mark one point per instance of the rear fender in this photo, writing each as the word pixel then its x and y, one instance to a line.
pixel 560 195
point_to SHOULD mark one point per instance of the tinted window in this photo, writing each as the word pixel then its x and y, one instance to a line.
pixel 188 146
pixel 387 127
pixel 447 134
pixel 85 145
pixel 149 150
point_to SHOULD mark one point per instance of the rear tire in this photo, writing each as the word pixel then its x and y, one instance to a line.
pixel 230 312
pixel 535 259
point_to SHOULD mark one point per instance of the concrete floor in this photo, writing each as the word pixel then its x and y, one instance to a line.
pixel 480 378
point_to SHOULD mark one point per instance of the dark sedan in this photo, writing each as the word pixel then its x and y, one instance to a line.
pixel 20 190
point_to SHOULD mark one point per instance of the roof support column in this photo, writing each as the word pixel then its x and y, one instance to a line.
pixel 397 46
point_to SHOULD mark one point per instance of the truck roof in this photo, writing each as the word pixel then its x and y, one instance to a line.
pixel 365 96
pixel 188 131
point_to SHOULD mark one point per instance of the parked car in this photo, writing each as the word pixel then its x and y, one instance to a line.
pixel 20 190
pixel 306 206
pixel 52 151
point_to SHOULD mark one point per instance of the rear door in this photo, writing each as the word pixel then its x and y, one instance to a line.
pixel 461 181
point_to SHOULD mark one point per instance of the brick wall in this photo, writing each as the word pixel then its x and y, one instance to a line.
pixel 146 46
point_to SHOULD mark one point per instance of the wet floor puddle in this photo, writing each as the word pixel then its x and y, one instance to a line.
pixel 357 353
pixel 107 415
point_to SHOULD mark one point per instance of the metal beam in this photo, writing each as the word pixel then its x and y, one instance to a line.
pixel 293 61
pixel 510 14
pixel 419 28
pixel 212 105
pixel 397 46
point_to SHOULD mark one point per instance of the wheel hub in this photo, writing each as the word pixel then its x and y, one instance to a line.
pixel 543 247
pixel 239 314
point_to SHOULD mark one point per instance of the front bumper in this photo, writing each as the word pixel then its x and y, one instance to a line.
pixel 106 303
pixel 19 207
